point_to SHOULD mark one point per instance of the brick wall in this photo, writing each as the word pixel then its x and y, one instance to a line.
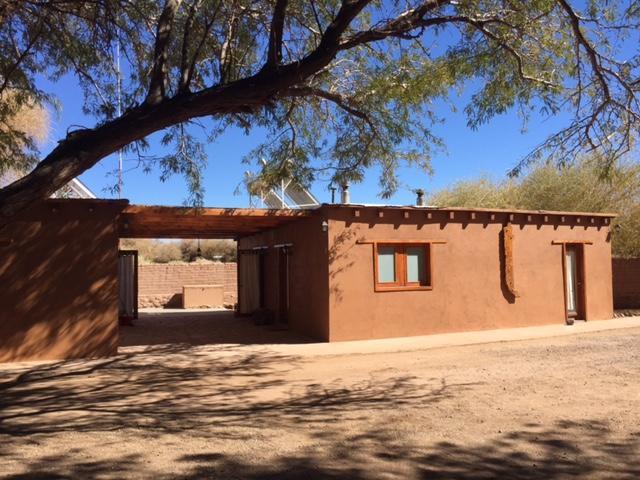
pixel 160 285
pixel 626 283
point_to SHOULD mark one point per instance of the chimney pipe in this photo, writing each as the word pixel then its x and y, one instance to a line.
pixel 346 198
pixel 420 197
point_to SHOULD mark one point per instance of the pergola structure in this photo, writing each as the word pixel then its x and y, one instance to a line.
pixel 143 221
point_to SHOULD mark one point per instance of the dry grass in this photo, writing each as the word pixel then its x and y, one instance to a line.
pixel 32 119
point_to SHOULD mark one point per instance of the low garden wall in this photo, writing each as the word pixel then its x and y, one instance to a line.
pixel 626 283
pixel 160 285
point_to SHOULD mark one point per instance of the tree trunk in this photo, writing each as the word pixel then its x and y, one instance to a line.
pixel 82 149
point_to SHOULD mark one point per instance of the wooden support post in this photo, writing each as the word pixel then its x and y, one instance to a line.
pixel 507 235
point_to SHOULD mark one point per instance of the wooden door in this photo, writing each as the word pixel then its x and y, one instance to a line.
pixel 127 285
pixel 250 281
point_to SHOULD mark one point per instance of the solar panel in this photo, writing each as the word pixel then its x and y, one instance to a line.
pixel 290 194
pixel 300 196
pixel 272 200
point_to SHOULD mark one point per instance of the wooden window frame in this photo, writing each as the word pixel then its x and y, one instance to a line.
pixel 400 262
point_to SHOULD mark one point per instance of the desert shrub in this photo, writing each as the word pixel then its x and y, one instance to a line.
pixel 157 251
pixel 165 252
pixel 222 250
pixel 153 251
pixel 583 187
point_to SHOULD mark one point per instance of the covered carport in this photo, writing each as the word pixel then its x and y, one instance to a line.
pixel 194 326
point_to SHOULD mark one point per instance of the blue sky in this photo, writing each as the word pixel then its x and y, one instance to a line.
pixel 491 150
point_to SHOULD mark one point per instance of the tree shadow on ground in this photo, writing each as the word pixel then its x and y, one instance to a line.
pixel 567 450
pixel 237 400
pixel 215 390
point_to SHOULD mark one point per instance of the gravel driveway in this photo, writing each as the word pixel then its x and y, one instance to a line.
pixel 565 407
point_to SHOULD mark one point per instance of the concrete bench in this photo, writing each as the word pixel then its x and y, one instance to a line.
pixel 202 296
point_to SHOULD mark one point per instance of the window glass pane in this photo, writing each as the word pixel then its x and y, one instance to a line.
pixel 416 268
pixel 386 265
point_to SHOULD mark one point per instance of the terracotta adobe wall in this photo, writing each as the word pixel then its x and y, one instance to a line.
pixel 59 296
pixel 468 287
pixel 626 283
pixel 160 285
pixel 309 294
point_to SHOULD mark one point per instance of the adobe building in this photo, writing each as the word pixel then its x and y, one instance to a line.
pixel 361 272
pixel 337 272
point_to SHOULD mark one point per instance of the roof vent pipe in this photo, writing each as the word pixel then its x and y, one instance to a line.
pixel 346 198
pixel 420 197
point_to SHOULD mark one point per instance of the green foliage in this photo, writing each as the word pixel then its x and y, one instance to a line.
pixel 368 103
pixel 582 187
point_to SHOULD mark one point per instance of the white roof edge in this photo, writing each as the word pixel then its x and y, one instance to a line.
pixel 81 189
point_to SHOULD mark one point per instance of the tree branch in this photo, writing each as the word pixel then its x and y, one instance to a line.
pixel 591 52
pixel 184 61
pixel 274 53
pixel 404 24
pixel 159 83
pixel 480 26
pixel 399 26
pixel 194 58
pixel 339 100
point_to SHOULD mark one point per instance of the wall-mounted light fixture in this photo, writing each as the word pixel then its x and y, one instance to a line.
pixel 325 225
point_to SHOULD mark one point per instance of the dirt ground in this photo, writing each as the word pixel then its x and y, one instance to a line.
pixel 559 408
